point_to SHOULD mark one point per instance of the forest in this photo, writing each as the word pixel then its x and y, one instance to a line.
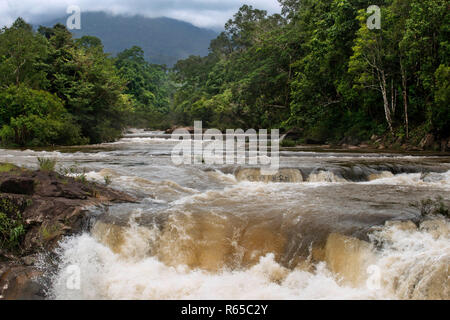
pixel 57 90
pixel 315 68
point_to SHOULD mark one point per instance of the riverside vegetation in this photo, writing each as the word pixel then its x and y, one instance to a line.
pixel 315 69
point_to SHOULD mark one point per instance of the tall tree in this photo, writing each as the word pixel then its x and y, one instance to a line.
pixel 20 54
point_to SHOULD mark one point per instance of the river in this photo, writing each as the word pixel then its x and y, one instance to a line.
pixel 331 225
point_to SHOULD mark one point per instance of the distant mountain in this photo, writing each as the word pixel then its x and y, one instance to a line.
pixel 164 40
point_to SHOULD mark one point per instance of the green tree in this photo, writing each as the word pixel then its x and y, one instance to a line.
pixel 81 74
pixel 148 84
pixel 35 118
pixel 21 52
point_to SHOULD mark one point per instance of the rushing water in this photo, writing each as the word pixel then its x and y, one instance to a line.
pixel 330 226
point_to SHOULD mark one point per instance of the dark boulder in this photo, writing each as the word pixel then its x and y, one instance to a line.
pixel 18 185
pixel 51 207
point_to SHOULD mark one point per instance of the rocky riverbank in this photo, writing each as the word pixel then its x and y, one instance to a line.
pixel 384 143
pixel 38 209
pixel 417 142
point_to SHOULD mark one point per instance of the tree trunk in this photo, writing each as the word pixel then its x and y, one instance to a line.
pixel 405 99
pixel 393 98
pixel 387 109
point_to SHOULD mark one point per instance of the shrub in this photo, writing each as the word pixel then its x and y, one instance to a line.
pixel 47 164
pixel 82 178
pixel 12 229
pixel 35 118
pixel 287 143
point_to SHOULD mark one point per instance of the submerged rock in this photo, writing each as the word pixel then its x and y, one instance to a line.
pixel 255 175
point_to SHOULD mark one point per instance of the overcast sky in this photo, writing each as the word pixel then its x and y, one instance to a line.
pixel 202 13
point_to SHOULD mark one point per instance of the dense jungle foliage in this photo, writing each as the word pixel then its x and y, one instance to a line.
pixel 315 67
pixel 319 68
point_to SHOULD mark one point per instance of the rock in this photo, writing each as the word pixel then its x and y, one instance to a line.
pixel 52 207
pixel 170 130
pixel 18 185
pixel 383 175
pixel 52 185
pixel 20 283
pixel 438 228
pixel 256 175
pixel 432 177
pixel 294 134
pixel 173 129
pixel 29 260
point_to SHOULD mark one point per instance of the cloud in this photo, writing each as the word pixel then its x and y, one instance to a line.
pixel 202 13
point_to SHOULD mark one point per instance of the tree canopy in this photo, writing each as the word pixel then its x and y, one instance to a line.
pixel 318 67
pixel 59 90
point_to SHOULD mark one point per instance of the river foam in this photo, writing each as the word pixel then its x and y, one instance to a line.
pixel 413 264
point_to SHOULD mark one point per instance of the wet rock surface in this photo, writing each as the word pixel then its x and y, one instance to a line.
pixel 51 207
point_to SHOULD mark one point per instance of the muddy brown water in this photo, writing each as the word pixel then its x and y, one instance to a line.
pixel 316 230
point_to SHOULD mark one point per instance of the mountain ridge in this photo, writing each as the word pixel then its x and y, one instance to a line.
pixel 164 40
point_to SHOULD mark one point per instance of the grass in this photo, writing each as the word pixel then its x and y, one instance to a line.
pixel 82 178
pixel 50 232
pixel 69 171
pixel 7 167
pixel 47 164
pixel 79 174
